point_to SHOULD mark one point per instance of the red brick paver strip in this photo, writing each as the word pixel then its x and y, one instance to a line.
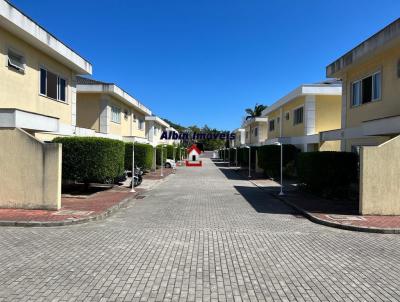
pixel 74 209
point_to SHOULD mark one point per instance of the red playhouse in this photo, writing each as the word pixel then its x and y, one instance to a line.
pixel 193 157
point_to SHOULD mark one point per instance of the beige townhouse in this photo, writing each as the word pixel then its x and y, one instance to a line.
pixel 370 123
pixel 299 117
pixel 37 103
pixel 37 77
pixel 154 129
pixel 370 73
pixel 104 109
pixel 255 130
pixel 239 138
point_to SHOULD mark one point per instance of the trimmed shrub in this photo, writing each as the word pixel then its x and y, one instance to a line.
pixel 143 156
pixel 269 158
pixel 172 152
pixel 91 159
pixel 158 154
pixel 328 173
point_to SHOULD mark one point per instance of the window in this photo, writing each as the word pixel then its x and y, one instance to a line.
pixel 140 124
pixel 256 131
pixel 115 114
pixel 398 68
pixel 247 134
pixel 272 125
pixel 287 116
pixel 278 120
pixel 298 116
pixel 126 114
pixel 16 61
pixel 366 90
pixel 52 85
pixel 356 94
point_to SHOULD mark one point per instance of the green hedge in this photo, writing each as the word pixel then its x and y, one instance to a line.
pixel 158 154
pixel 91 159
pixel 269 158
pixel 143 156
pixel 328 173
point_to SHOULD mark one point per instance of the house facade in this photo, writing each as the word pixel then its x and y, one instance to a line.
pixel 37 77
pixel 37 102
pixel 154 128
pixel 371 90
pixel 301 115
pixel 104 109
pixel 239 138
pixel 255 131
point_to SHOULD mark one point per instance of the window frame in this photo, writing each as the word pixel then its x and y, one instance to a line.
pixel 256 132
pixel 360 80
pixel 271 122
pixel 119 114
pixel 14 67
pixel 59 78
pixel 295 123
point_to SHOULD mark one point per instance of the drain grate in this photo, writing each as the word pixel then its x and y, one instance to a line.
pixel 140 197
pixel 73 212
pixel 345 217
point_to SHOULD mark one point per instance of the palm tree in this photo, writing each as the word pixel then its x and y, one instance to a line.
pixel 252 113
pixel 258 109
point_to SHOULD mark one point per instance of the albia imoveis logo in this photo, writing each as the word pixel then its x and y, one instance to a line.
pixel 194 136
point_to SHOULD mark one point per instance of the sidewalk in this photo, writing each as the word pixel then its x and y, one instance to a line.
pixel 336 213
pixel 81 209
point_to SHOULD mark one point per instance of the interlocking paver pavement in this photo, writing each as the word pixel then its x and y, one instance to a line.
pixel 199 237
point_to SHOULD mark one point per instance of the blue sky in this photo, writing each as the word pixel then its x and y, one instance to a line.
pixel 204 62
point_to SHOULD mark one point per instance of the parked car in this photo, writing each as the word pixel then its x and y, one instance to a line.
pixel 170 163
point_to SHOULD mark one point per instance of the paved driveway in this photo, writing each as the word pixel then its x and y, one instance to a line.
pixel 202 235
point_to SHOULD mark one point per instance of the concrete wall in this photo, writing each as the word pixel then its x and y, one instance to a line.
pixel 30 171
pixel 379 178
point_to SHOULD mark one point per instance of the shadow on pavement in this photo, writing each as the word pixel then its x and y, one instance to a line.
pixel 263 203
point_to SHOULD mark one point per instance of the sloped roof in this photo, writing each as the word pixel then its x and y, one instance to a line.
pixel 194 147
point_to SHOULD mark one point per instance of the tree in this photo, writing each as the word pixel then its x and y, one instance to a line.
pixel 252 113
pixel 256 112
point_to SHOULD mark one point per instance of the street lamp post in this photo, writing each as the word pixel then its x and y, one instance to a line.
pixel 280 144
pixel 248 147
pixel 236 151
pixel 133 166
pixel 162 157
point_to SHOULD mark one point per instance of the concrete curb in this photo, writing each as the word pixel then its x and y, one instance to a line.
pixel 101 216
pixel 122 204
pixel 318 220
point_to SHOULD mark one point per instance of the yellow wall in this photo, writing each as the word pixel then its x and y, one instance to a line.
pixel 262 132
pixel 328 112
pixel 125 127
pixel 389 105
pixel 275 133
pixel 379 179
pixel 288 129
pixel 88 111
pixel 136 131
pixel 22 90
pixel 368 141
pixel 30 173
pixel 329 146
